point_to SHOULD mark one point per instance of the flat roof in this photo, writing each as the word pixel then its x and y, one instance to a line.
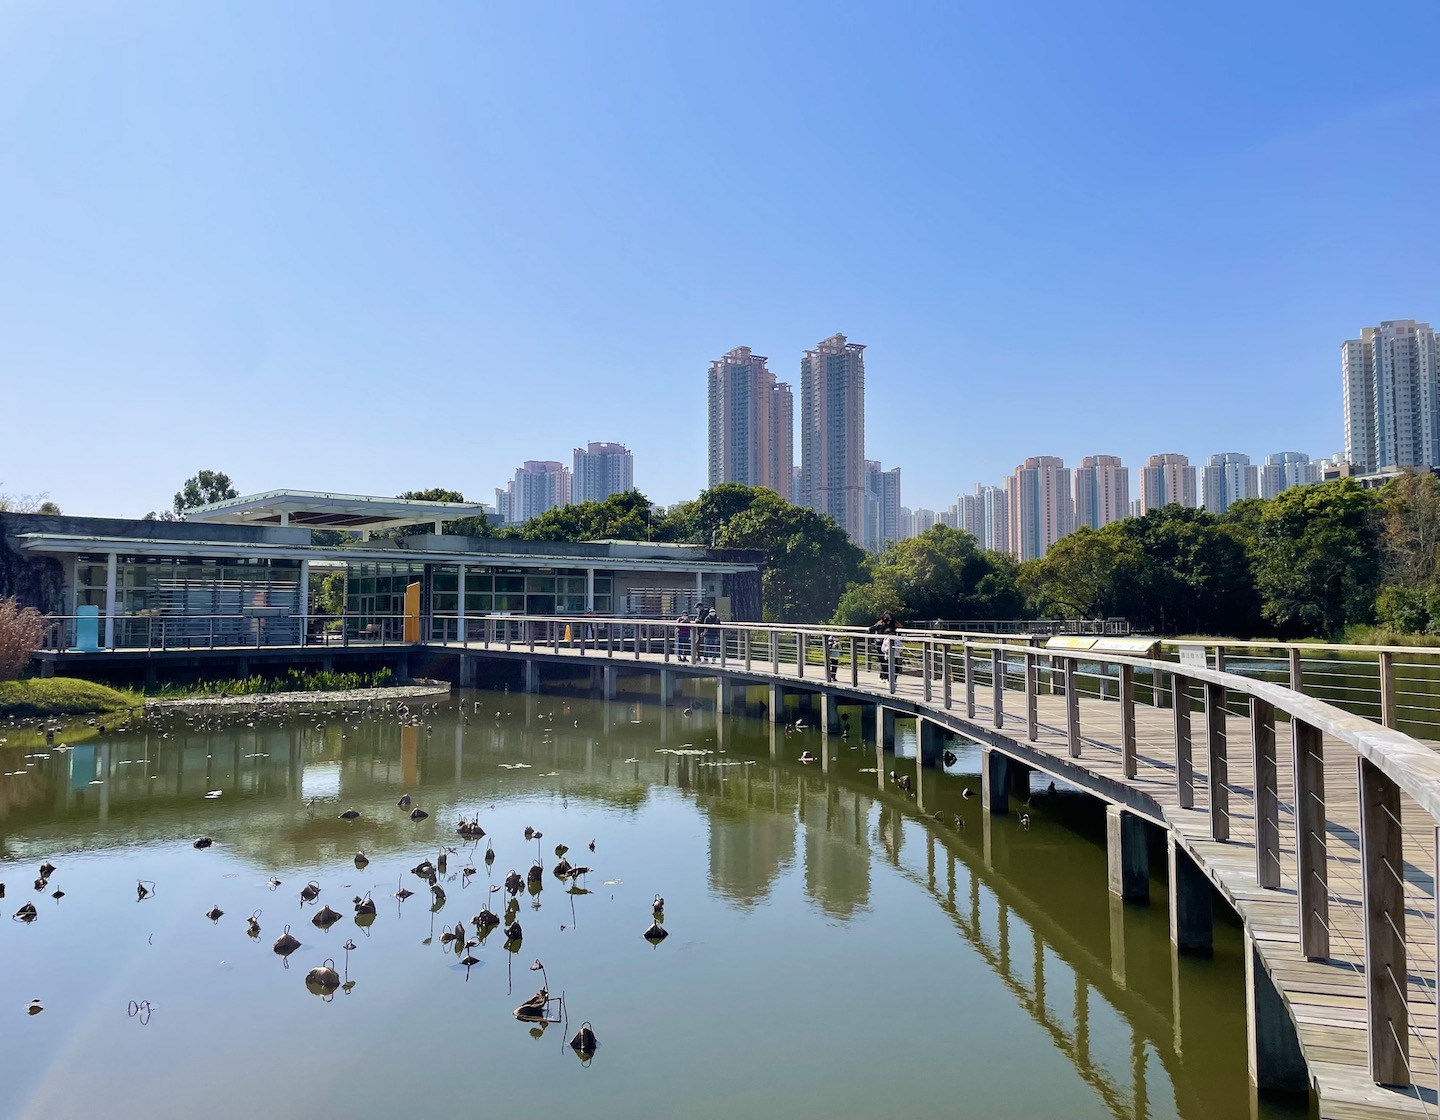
pixel 316 510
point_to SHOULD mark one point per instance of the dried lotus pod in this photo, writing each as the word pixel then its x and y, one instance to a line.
pixel 202 842
pixel 325 918
pixel 286 943
pixel 513 882
pixel 513 932
pixel 214 913
pixel 656 933
pixel 584 1042
pixel 562 869
pixel 536 874
pixel 323 979
pixel 26 913
pixel 310 891
pixel 361 860
pixel 364 905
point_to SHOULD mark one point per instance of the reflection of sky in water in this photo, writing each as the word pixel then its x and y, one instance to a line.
pixel 805 912
pixel 321 780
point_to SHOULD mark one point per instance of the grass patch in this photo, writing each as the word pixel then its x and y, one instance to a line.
pixel 294 680
pixel 61 696
pixel 1380 636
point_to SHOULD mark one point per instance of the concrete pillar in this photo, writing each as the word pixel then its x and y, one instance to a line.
pixel 994 781
pixel 531 675
pixel 1276 1062
pixel 829 714
pixel 885 728
pixel 1127 855
pixel 304 603
pixel 1117 940
pixel 776 705
pixel 111 600
pixel 725 696
pixel 1192 906
pixel 929 742
pixel 589 590
pixel 608 673
pixel 460 606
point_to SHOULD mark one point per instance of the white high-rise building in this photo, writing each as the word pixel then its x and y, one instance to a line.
pixel 994 510
pixel 1102 491
pixel 1228 478
pixel 832 433
pixel 538 485
pixel 1283 470
pixel 752 432
pixel 1165 480
pixel 601 469
pixel 923 519
pixel 1041 506
pixel 883 522
pixel 1391 381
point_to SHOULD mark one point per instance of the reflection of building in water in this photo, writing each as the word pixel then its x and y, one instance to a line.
pixel 837 859
pixel 752 830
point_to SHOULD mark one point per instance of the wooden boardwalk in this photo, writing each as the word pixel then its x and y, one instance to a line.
pixel 1326 998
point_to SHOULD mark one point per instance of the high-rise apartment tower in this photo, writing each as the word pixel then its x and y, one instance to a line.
pixel 601 469
pixel 1226 479
pixel 1391 379
pixel 1102 491
pixel 832 432
pixel 752 429
pixel 1167 480
pixel 1041 506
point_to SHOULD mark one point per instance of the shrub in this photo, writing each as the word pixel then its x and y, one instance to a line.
pixel 22 629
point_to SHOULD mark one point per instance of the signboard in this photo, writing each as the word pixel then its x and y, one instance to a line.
pixel 1071 643
pixel 1193 655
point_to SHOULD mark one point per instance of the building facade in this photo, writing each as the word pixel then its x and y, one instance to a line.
pixel 1102 491
pixel 993 503
pixel 1227 478
pixel 832 432
pixel 1041 506
pixel 1283 470
pixel 1166 480
pixel 751 424
pixel 1391 386
pixel 538 485
pixel 601 469
pixel 882 526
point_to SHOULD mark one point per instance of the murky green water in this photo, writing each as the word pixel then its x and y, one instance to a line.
pixel 834 951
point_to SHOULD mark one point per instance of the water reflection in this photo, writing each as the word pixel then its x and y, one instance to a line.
pixel 991 917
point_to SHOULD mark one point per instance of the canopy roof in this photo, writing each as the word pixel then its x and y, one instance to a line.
pixel 315 510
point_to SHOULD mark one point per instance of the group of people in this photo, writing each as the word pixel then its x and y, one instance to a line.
pixel 698 638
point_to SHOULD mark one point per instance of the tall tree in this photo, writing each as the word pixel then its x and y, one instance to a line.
pixel 1317 563
pixel 203 488
pixel 942 573
pixel 622 517
pixel 1410 529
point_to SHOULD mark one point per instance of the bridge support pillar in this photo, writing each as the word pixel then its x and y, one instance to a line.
pixel 725 695
pixel 776 704
pixel 1192 904
pixel 1127 855
pixel 885 728
pixel 531 676
pixel 995 781
pixel 929 741
pixel 608 674
pixel 1276 1063
pixel 829 713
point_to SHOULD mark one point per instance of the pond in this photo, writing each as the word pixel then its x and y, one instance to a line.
pixel 834 947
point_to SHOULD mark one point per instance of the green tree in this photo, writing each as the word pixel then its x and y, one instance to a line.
pixel 460 527
pixel 1078 576
pixel 942 573
pixel 203 488
pixel 621 517
pixel 809 561
pixel 1410 529
pixel 1317 561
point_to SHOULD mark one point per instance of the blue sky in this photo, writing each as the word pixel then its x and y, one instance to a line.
pixel 370 247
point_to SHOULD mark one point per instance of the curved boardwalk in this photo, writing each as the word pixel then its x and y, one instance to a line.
pixel 1326 998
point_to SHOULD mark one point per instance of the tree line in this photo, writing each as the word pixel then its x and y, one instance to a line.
pixel 1316 561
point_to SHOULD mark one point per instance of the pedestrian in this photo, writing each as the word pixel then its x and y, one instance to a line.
pixel 682 638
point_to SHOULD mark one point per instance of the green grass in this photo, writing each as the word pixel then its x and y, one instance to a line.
pixel 293 680
pixel 61 696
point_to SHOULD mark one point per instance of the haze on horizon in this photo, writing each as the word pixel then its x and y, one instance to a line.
pixel 366 248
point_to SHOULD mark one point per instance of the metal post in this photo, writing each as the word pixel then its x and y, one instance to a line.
pixel 1128 753
pixel 1387 979
pixel 1296 673
pixel 926 653
pixel 1267 797
pixel 1387 688
pixel 747 648
pixel 892 642
pixel 1032 697
pixel 854 662
pixel 1219 765
pixel 1312 871
pixel 997 685
pixel 1184 762
pixel 774 655
pixel 800 653
pixel 945 688
pixel 969 665
pixel 1072 705
pixel 724 643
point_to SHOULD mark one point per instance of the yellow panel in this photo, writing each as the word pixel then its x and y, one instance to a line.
pixel 1070 643
pixel 412 613
pixel 1144 646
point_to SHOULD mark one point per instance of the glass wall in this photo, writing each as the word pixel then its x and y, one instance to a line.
pixel 495 590
pixel 375 597
pixel 164 602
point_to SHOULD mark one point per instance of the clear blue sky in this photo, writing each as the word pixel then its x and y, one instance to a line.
pixel 371 247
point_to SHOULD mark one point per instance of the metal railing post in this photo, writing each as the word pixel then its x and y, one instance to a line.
pixel 1072 705
pixel 1184 759
pixel 774 655
pixel 945 688
pixel 1387 688
pixel 800 653
pixel 854 662
pixel 1032 696
pixel 891 642
pixel 1128 755
pixel 1296 673
pixel 997 686
pixel 1312 871
pixel 968 656
pixel 1387 977
pixel 1267 796
pixel 1218 763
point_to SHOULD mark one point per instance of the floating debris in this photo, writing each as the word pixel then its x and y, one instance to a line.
pixel 656 933
pixel 418 814
pixel 323 979
pixel 202 842
pixel 214 913
pixel 515 766
pixel 584 1043
pixel 35 1007
pixel 213 794
pixel 309 892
